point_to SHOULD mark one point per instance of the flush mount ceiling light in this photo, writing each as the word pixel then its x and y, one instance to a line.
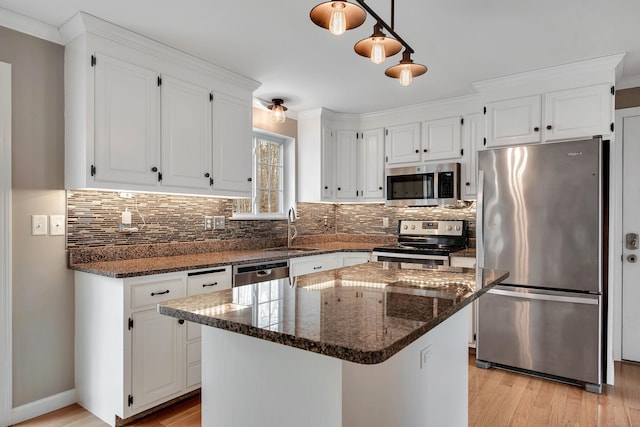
pixel 277 110
pixel 339 16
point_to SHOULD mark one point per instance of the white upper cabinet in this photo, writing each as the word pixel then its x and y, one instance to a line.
pixel 473 131
pixel 127 123
pixel 346 167
pixel 327 168
pixel 403 144
pixel 566 114
pixel 128 129
pixel 514 121
pixel 581 112
pixel 186 134
pixel 441 139
pixel 371 165
pixel 232 143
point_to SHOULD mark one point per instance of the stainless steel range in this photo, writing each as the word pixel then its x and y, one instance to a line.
pixel 425 242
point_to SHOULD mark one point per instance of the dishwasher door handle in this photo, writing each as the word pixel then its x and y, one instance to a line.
pixel 263 273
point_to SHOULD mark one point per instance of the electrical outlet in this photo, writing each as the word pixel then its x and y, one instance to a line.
pixel 56 225
pixel 126 195
pixel 208 222
pixel 39 225
pixel 218 222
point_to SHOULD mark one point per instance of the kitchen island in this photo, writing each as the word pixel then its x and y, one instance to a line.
pixel 378 344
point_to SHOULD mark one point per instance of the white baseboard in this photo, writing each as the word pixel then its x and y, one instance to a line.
pixel 43 406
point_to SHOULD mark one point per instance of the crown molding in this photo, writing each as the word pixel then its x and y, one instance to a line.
pixel 30 26
pixel 82 23
pixel 590 65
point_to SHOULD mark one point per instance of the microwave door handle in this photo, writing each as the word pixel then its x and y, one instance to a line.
pixel 436 180
pixel 480 219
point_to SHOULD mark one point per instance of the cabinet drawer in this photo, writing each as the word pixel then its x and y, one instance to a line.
pixel 460 261
pixel 312 264
pixel 154 292
pixel 212 280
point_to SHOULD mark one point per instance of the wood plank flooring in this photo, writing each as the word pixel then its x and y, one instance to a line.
pixel 496 398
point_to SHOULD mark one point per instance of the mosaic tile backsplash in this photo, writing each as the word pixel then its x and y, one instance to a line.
pixel 93 218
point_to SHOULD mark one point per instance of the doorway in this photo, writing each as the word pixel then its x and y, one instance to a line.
pixel 5 246
pixel 630 230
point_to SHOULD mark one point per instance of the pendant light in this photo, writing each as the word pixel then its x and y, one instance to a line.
pixel 338 16
pixel 277 110
pixel 378 47
pixel 406 70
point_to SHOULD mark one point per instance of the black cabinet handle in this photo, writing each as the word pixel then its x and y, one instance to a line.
pixel 425 150
pixel 249 179
pixel 154 169
pixel 417 151
pixel 326 188
pixel 181 321
pixel 536 129
pixel 207 175
pixel 153 294
pixel 549 127
pixel 379 188
pixel 467 184
pixel 207 285
pixel 339 189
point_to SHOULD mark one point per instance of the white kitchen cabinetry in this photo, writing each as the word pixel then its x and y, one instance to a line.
pixel 138 116
pixel 232 142
pixel 403 144
pixel 186 134
pixel 473 131
pixel 129 358
pixel 371 165
pixel 566 114
pixel 441 139
pixel 346 165
pixel 312 264
pixel 328 172
pixel 127 124
pixel 347 259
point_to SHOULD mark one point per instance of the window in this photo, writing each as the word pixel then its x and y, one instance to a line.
pixel 269 198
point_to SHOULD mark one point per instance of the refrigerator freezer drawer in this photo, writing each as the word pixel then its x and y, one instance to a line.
pixel 551 333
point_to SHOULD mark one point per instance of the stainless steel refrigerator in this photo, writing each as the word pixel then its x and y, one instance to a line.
pixel 542 215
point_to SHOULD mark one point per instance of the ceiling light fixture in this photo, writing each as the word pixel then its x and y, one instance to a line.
pixel 277 110
pixel 340 16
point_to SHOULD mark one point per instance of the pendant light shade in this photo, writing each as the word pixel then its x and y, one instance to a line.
pixel 406 70
pixel 338 16
pixel 378 47
pixel 277 110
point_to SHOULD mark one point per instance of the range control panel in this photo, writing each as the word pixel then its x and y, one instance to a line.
pixel 430 228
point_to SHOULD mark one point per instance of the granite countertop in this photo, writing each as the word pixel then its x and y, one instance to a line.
pixel 363 314
pixel 168 264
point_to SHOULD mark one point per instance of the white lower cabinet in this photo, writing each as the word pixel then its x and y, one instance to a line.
pixel 324 262
pixel 347 259
pixel 129 358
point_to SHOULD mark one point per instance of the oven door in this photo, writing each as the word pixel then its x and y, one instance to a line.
pixel 411 258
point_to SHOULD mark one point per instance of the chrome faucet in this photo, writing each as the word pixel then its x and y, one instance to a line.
pixel 292 233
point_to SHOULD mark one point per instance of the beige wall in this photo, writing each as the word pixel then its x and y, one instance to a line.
pixel 42 285
pixel 627 98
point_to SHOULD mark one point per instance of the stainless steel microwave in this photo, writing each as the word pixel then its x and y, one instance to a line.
pixel 425 185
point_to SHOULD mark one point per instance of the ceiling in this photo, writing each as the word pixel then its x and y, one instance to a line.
pixel 460 41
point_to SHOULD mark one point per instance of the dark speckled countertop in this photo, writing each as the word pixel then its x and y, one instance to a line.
pixel 363 314
pixel 167 264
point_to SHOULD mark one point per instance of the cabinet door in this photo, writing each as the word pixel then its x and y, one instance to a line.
pixel 127 123
pixel 472 138
pixel 157 364
pixel 328 180
pixel 186 134
pixel 346 170
pixel 403 144
pixel 514 121
pixel 576 113
pixel 232 145
pixel 371 163
pixel 441 139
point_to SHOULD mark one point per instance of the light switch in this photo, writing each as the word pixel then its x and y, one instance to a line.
pixel 56 225
pixel 39 225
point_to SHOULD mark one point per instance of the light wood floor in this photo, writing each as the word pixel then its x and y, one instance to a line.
pixel 496 398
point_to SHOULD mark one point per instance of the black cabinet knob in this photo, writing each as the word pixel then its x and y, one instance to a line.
pixel 326 188
pixel 536 129
pixel 249 179
pixel 379 188
pixel 154 169
pixel 206 175
pixel 425 150
pixel 417 151
pixel 339 188
pixel 467 184
pixel 181 321
pixel 549 127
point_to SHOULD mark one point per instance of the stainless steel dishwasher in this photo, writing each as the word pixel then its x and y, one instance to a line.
pixel 245 274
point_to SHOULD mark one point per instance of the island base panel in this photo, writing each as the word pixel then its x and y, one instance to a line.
pixel 248 381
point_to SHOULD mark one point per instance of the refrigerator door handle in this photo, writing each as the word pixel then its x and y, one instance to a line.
pixel 480 220
pixel 544 297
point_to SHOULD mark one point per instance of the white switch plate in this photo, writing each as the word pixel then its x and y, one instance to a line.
pixel 218 222
pixel 56 225
pixel 39 225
